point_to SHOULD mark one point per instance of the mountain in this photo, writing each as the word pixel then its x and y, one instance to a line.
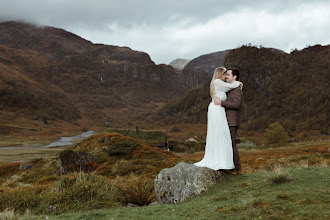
pixel 179 64
pixel 50 74
pixel 289 88
pixel 200 69
pixel 208 62
pixel 53 73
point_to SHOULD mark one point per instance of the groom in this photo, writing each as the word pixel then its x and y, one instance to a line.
pixel 233 111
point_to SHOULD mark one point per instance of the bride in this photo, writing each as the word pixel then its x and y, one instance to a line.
pixel 218 149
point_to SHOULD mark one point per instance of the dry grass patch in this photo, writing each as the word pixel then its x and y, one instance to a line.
pixel 137 189
pixel 278 176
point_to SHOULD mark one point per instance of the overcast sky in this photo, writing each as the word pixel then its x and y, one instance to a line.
pixel 172 29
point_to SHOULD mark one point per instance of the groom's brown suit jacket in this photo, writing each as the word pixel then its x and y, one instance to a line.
pixel 233 106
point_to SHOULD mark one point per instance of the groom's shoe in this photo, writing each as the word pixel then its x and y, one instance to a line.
pixel 230 172
pixel 233 171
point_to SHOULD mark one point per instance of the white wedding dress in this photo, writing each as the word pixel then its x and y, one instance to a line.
pixel 218 149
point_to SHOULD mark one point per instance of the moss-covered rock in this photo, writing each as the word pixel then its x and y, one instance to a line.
pixel 184 181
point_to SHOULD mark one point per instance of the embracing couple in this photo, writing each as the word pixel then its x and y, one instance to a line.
pixel 223 118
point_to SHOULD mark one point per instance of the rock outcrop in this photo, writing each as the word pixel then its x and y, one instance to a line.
pixel 179 64
pixel 183 181
pixel 201 69
pixel 74 161
pixel 25 166
pixel 208 62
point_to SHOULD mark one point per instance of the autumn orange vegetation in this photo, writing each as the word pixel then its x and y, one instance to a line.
pixel 263 159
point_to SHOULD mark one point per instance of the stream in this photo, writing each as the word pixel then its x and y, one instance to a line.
pixel 64 141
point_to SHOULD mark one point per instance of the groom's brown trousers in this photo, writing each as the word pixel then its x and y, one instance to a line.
pixel 237 161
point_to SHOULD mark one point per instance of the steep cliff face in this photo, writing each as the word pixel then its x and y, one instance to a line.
pixel 192 78
pixel 99 80
pixel 208 62
pixel 201 69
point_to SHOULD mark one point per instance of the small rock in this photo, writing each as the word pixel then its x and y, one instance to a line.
pixel 103 140
pixel 260 158
pixel 153 203
pixel 51 208
pixel 131 205
pixel 25 166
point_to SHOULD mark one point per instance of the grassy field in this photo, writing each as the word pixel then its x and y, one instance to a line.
pixel 129 178
pixel 27 154
pixel 247 196
pixel 147 136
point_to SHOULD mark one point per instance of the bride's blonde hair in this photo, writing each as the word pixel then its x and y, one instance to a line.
pixel 218 73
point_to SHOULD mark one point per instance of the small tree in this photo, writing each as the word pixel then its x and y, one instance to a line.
pixel 275 135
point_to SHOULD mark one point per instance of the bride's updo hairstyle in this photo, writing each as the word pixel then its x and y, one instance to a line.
pixel 218 73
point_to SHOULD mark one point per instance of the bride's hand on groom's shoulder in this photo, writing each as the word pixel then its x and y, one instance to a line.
pixel 240 85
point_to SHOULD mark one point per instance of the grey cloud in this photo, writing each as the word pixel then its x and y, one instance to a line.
pixel 94 14
pixel 160 27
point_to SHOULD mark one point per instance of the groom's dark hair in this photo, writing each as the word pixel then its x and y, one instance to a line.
pixel 235 72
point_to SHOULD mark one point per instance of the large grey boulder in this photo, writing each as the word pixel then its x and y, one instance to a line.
pixel 184 181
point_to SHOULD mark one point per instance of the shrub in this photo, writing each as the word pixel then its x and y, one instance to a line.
pixel 275 135
pixel 123 147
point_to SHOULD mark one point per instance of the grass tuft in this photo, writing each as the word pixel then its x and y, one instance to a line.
pixel 88 191
pixel 279 175
pixel 282 196
pixel 138 190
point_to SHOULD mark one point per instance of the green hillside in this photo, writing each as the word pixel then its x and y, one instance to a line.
pixel 289 88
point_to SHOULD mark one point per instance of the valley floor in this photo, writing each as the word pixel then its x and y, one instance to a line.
pixel 248 196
